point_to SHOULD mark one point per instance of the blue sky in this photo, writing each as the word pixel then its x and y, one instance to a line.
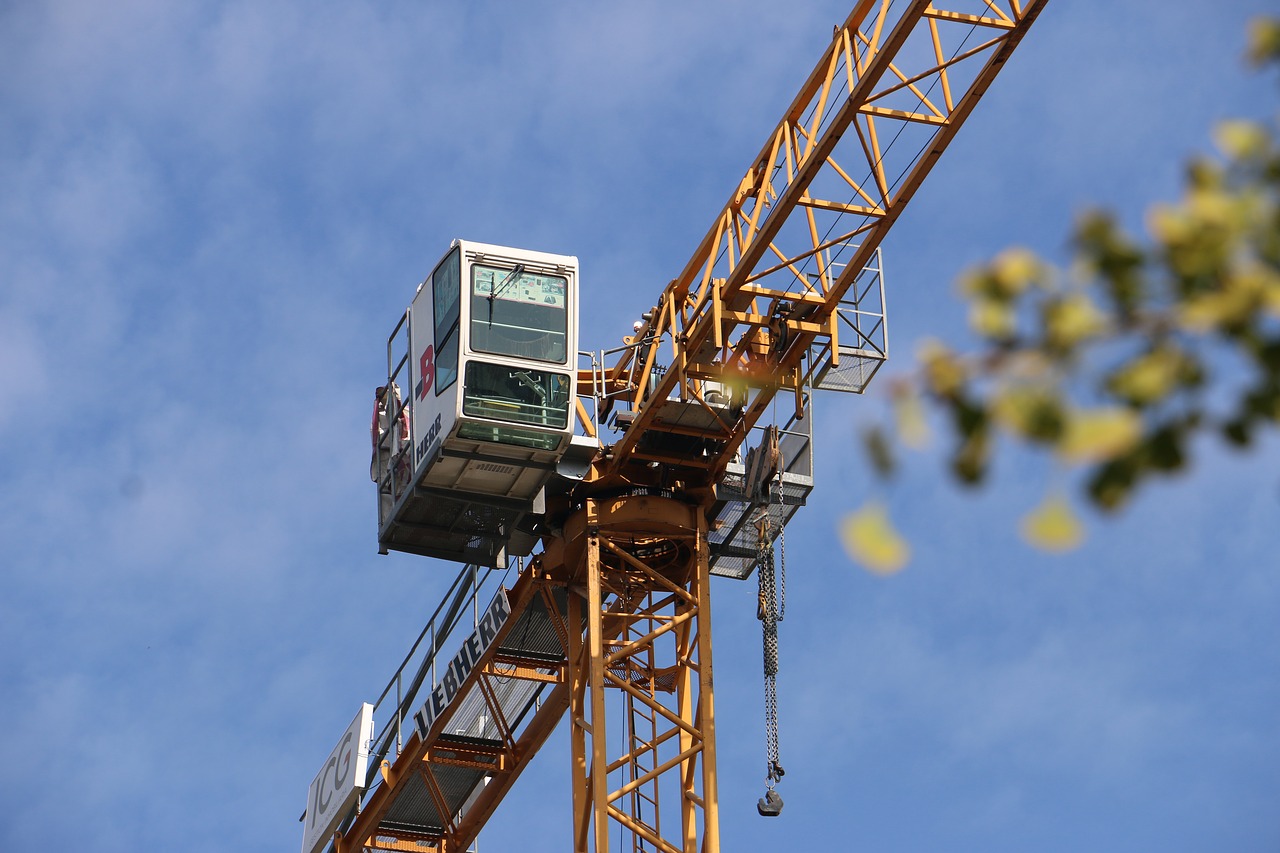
pixel 211 214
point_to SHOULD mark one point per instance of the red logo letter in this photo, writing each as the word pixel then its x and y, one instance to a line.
pixel 426 371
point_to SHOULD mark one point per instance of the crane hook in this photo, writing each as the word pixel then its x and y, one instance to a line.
pixel 770 805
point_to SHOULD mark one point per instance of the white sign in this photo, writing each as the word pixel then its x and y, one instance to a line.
pixel 463 662
pixel 338 783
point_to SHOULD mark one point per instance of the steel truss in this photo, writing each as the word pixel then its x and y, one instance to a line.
pixel 647 653
pixel 764 287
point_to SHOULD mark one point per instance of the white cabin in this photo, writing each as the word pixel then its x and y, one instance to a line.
pixel 485 362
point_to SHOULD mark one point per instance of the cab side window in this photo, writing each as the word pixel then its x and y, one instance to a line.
pixel 446 284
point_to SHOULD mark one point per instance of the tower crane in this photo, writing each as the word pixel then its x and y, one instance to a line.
pixel 591 495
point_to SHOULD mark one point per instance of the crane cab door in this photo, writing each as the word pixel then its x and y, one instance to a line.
pixel 492 339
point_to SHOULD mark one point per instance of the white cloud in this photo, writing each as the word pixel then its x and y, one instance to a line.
pixel 24 382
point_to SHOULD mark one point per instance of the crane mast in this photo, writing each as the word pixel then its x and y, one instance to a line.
pixel 610 623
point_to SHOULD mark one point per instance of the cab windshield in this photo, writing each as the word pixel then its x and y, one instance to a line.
pixel 520 313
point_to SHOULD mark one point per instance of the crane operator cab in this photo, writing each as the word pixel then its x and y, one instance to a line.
pixel 483 363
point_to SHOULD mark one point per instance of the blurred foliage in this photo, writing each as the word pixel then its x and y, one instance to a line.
pixel 869 537
pixel 1118 363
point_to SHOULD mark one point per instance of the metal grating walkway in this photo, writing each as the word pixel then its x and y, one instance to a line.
pixel 482 695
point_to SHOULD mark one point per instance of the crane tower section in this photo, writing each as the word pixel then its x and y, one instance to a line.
pixel 480 404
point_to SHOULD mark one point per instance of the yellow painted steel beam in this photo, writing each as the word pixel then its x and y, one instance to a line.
pixel 698 318
pixel 644 746
pixel 544 722
pixel 658 787
pixel 407 844
pixel 505 669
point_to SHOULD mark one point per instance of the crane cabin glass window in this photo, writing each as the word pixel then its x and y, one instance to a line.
pixel 520 313
pixel 516 395
pixel 446 295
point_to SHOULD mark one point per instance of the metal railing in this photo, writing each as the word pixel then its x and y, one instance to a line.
pixel 393 462
pixel 415 678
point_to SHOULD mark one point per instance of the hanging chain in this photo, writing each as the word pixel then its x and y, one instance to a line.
pixel 768 613
pixel 782 550
pixel 765 475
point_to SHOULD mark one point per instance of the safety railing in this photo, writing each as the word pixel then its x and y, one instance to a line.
pixel 734 535
pixel 849 362
pixel 457 615
pixel 392 465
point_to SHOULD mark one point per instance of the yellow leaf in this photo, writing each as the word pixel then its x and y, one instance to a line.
pixel 1241 139
pixel 913 429
pixel 1027 410
pixel 1095 435
pixel 975 282
pixel 1074 319
pixel 1271 297
pixel 1006 277
pixel 1017 267
pixel 1247 289
pixel 1169 224
pixel 943 369
pixel 1011 409
pixel 1149 378
pixel 1212 209
pixel 1053 526
pixel 1264 40
pixel 1207 312
pixel 992 318
pixel 870 539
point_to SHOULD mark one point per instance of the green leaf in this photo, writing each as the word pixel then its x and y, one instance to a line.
pixel 1029 411
pixel 1239 432
pixel 1264 40
pixel 969 462
pixel 1164 449
pixel 879 452
pixel 1111 484
pixel 1111 255
pixel 944 373
pixel 913 429
pixel 1150 377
